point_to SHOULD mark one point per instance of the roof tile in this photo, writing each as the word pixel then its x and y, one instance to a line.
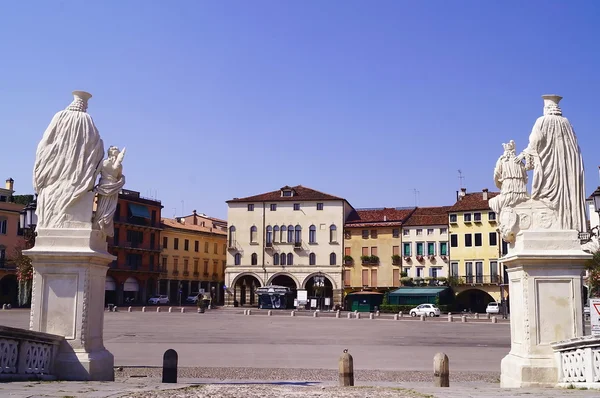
pixel 301 193
pixel 378 217
pixel 429 216
pixel 473 201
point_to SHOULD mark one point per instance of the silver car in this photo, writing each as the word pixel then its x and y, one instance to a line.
pixel 425 309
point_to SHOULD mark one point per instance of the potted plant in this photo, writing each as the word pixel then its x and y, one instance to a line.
pixel 374 260
pixel 396 259
pixel 419 257
pixel 418 281
pixel 406 281
pixel 365 259
pixel 348 260
pixel 403 274
pixel 442 280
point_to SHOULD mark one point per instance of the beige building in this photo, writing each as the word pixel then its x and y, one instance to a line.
pixel 285 237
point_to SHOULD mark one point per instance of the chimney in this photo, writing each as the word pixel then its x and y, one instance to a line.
pixel 485 194
pixel 384 218
pixel 195 219
pixel 462 193
pixel 10 184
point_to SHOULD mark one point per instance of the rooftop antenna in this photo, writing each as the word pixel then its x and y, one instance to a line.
pixel 460 178
pixel 174 212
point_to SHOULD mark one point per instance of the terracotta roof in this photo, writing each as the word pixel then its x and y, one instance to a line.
pixel 384 217
pixel 472 201
pixel 429 216
pixel 300 193
pixel 171 223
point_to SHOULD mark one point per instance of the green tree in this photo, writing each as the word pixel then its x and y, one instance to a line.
pixel 22 199
pixel 24 274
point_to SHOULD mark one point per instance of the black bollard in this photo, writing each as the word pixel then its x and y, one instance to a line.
pixel 170 367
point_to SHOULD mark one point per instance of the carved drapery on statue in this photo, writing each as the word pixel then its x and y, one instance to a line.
pixel 111 182
pixel 66 163
pixel 557 200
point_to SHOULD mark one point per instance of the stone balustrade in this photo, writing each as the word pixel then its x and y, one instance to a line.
pixel 27 355
pixel 578 362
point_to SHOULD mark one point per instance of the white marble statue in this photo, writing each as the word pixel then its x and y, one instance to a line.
pixel 66 165
pixel 558 177
pixel 111 182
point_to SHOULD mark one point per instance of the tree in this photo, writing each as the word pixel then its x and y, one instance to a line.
pixel 24 274
pixel 593 268
pixel 22 199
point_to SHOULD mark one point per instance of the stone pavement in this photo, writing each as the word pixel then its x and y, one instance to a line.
pixel 152 388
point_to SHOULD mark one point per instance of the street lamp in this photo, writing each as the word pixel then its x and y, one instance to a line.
pixel 28 221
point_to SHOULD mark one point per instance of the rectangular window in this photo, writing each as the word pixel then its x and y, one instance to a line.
pixel 205 247
pixel 365 277
pixel 347 234
pixel 406 232
pixel 374 277
pixel 196 246
pixel 454 269
pixel 195 266
pixel 443 231
pixel 396 232
pixel 467 217
pixel 395 250
pixel 164 264
pixel 443 248
pixel 205 267
pixel 373 234
pixel 419 248
pixel 406 249
pixel 176 243
pixel 493 239
pixel 216 248
pixel 433 272
pixel 250 206
pixel 365 234
pixel 186 245
pixel 152 240
pixel 373 251
pixel 153 217
pixel 287 193
pixel 478 239
pixel 419 272
pixel 296 206
pixel 469 272
pixel 175 264
pixel 504 248
pixel 453 218
pixel 273 206
pixel 419 232
pixel 477 217
pixel 468 240
pixel 396 277
pixel 406 271
pixel 494 272
pixel 347 279
pixel 431 248
pixel 185 265
pixel 347 251
pixel 429 231
pixel 319 206
pixel 312 235
pixel 454 240
pixel 479 271
pixel 215 267
pixel 365 251
pixel 492 216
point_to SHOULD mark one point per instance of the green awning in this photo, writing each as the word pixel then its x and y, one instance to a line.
pixel 139 210
pixel 418 291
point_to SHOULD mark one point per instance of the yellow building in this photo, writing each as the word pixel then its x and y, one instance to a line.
pixel 193 257
pixel 475 247
pixel 372 241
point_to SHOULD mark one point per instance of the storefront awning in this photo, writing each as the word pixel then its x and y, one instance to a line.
pixel 418 291
pixel 139 210
pixel 131 285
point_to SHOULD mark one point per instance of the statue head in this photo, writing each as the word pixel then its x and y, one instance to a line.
pixel 113 151
pixel 509 148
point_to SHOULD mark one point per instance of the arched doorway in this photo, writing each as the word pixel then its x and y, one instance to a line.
pixel 319 289
pixel 131 289
pixel 284 280
pixel 474 300
pixel 245 290
pixel 110 291
pixel 9 290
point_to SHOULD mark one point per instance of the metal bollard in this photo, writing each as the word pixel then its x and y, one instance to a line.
pixel 129 309
pixel 450 318
pixel 143 309
pixel 441 370
pixel 494 319
pixel 423 318
pixel 170 309
pixel 395 317
pixel 316 314
pixel 157 309
pixel 269 313
pixel 346 370
pixel 182 310
pixel 463 318
pixel 371 315
pixel 169 374
pixel 293 313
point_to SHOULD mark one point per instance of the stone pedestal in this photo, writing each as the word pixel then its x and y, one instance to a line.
pixel 68 300
pixel 545 270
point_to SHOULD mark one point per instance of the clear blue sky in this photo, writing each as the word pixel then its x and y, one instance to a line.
pixel 365 100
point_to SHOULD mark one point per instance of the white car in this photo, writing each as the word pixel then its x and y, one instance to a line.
pixel 162 299
pixel 493 308
pixel 192 298
pixel 425 309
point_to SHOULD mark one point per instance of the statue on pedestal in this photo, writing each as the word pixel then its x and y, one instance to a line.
pixel 108 188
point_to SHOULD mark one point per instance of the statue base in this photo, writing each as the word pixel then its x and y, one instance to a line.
pixel 68 300
pixel 545 270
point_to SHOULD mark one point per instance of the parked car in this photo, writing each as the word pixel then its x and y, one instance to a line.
pixel 425 309
pixel 493 308
pixel 162 299
pixel 192 298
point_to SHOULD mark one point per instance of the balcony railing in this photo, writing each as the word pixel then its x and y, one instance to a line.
pixel 232 245
pixel 478 280
pixel 186 273
pixel 196 274
pixel 137 245
pixel 143 222
pixel 297 244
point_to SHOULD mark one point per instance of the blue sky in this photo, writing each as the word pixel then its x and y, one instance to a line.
pixel 365 100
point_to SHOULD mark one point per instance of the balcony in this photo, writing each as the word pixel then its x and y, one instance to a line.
pixel 476 280
pixel 298 245
pixel 196 274
pixel 396 260
pixel 136 246
pixel 369 260
pixel 232 245
pixel 137 221
pixel 186 273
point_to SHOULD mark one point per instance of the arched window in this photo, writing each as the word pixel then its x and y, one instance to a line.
pixel 332 233
pixel 283 232
pixel 276 259
pixel 269 235
pixel 282 258
pixel 290 234
pixel 290 259
pixel 312 259
pixel 254 259
pixel 298 235
pixel 232 236
pixel 238 259
pixel 276 233
pixel 312 234
pixel 332 259
pixel 253 234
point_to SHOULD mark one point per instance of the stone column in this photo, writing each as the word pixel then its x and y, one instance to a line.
pixel 169 289
pixel 68 299
pixel 545 270
pixel 190 287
